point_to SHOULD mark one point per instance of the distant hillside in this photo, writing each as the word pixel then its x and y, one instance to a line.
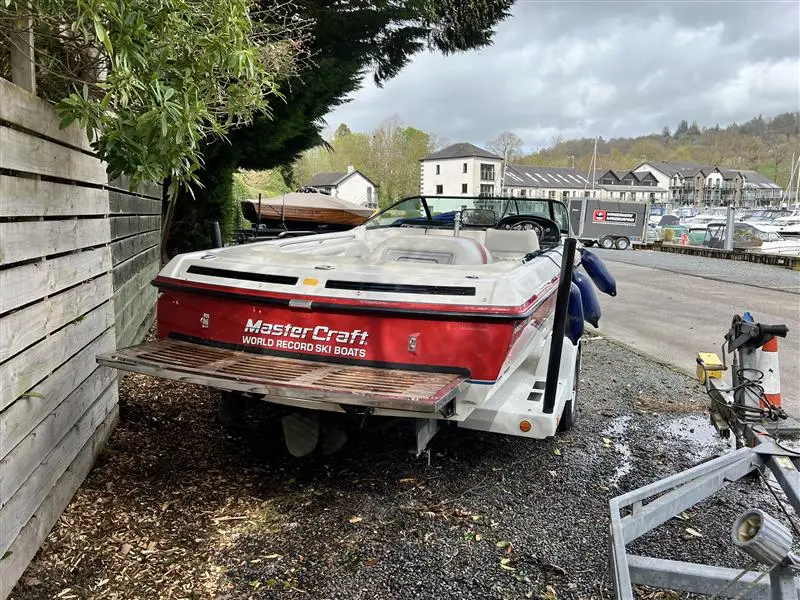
pixel 763 144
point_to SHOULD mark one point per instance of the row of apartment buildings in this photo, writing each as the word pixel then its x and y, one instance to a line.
pixel 466 169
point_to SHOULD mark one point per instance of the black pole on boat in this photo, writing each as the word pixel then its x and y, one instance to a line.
pixel 559 324
pixel 216 234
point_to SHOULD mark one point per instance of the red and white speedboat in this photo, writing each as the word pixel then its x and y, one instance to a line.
pixel 438 309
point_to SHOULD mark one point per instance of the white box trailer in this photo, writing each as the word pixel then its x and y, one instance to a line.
pixel 609 223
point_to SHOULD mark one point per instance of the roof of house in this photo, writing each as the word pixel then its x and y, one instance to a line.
pixel 544 177
pixel 461 150
pixel 326 179
pixel 620 175
pixel 693 171
pixel 751 178
pixel 670 167
pixel 333 178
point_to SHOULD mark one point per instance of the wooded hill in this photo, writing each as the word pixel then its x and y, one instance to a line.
pixel 761 144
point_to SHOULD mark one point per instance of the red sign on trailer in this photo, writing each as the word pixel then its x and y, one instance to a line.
pixel 617 218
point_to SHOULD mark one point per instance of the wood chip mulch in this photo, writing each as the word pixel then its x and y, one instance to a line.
pixel 169 491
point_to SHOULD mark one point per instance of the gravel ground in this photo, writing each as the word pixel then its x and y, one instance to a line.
pixel 176 508
pixel 733 271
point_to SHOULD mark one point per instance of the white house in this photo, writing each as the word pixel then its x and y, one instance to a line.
pixel 460 169
pixel 640 186
pixel 351 185
pixel 690 183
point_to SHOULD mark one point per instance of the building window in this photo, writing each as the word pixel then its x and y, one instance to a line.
pixel 551 195
pixel 440 189
pixel 565 194
pixel 465 167
pixel 487 172
pixel 464 186
pixel 486 190
pixel 438 169
pixel 652 196
pixel 607 182
pixel 522 193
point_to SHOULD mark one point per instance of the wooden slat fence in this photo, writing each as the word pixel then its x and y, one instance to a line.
pixel 77 254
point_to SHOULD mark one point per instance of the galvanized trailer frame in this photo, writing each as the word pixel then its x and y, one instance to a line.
pixel 637 512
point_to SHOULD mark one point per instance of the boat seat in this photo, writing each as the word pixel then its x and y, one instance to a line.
pixel 506 243
pixel 432 249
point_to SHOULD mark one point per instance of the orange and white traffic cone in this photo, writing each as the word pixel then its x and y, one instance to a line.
pixel 768 364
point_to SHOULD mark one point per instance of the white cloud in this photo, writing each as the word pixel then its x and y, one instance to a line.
pixel 599 68
pixel 763 85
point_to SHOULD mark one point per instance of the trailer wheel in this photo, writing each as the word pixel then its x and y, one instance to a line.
pixel 570 413
pixel 607 242
pixel 622 243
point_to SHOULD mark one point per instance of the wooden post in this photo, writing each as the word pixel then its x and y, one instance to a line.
pixel 23 68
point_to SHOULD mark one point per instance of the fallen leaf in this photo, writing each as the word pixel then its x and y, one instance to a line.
pixel 407 480
pixel 102 582
pixel 684 516
pixel 554 568
pixel 478 537
pixel 272 556
pixel 31 581
pixel 549 593
pixel 371 562
pixel 355 519
pixel 125 548
pixel 693 532
pixel 557 452
pixel 505 561
pixel 607 441
pixel 553 474
pixel 507 568
pixel 476 517
pixel 503 544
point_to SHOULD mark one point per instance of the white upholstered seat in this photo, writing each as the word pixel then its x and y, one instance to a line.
pixel 505 243
pixel 432 249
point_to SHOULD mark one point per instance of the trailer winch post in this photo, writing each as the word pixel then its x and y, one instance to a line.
pixel 559 325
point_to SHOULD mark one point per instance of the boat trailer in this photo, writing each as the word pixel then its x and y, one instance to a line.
pixel 744 410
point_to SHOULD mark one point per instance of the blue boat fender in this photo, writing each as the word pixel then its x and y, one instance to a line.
pixel 599 273
pixel 591 306
pixel 574 328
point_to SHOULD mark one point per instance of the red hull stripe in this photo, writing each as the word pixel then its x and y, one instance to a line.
pixel 320 303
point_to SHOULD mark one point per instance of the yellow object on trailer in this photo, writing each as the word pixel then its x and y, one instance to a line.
pixel 708 362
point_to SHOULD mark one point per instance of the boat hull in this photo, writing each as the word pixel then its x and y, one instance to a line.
pixel 351 333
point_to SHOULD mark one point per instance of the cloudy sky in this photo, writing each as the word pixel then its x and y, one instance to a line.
pixel 585 68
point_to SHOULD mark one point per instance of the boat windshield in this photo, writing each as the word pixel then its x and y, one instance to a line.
pixel 480 212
